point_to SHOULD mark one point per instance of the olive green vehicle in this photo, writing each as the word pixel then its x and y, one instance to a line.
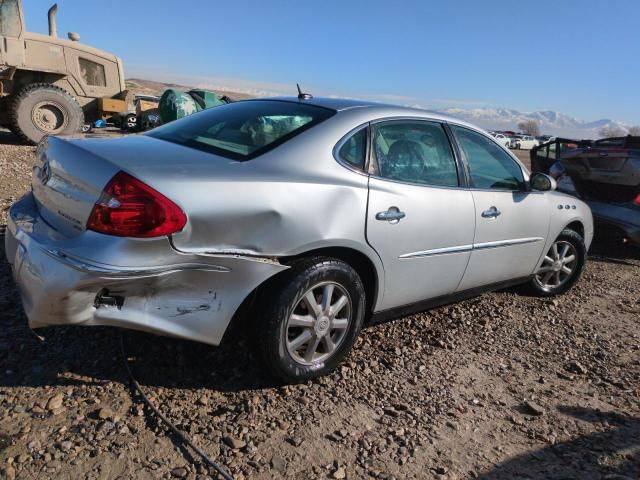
pixel 50 85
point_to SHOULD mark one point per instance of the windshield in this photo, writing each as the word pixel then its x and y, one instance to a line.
pixel 9 18
pixel 243 130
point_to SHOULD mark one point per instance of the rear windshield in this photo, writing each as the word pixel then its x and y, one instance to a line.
pixel 243 130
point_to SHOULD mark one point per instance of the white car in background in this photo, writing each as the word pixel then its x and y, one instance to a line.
pixel 527 142
pixel 502 139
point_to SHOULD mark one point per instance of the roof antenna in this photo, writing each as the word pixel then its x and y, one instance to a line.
pixel 303 96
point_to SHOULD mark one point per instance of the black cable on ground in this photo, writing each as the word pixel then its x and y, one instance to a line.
pixel 183 436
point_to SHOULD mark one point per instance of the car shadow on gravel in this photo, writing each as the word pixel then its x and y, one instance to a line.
pixel 8 138
pixel 84 356
pixel 613 452
pixel 607 250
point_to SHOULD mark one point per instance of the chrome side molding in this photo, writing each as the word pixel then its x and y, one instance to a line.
pixel 475 246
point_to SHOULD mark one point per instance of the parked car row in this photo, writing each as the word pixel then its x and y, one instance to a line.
pixel 519 141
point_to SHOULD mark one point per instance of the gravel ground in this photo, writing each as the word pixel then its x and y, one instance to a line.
pixel 498 387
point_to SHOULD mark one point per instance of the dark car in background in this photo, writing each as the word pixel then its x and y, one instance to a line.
pixel 605 173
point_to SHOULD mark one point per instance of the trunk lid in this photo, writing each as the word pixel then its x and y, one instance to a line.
pixel 66 182
pixel 70 174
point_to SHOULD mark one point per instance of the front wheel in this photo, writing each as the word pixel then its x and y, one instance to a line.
pixel 312 315
pixel 561 266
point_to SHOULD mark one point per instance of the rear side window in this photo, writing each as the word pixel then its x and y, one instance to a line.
pixel 489 165
pixel 243 130
pixel 353 151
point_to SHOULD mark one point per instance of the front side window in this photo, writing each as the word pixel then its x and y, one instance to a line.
pixel 92 73
pixel 10 24
pixel 243 130
pixel 489 165
pixel 353 151
pixel 414 152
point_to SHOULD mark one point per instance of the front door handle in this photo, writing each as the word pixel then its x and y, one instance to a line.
pixel 493 212
pixel 392 215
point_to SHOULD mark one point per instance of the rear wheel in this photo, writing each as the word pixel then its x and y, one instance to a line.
pixel 312 316
pixel 42 109
pixel 561 266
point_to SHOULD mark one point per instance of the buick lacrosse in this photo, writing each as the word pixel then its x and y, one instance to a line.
pixel 308 216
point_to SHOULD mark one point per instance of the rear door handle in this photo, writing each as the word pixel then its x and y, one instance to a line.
pixel 492 212
pixel 392 215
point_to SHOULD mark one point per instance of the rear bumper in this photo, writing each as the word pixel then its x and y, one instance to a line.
pixel 187 296
pixel 623 217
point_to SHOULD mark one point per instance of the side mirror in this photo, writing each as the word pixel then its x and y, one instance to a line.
pixel 541 182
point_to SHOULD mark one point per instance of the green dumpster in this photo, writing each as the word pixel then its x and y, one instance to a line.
pixel 206 98
pixel 175 104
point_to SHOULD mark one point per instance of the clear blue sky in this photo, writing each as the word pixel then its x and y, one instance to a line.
pixel 578 57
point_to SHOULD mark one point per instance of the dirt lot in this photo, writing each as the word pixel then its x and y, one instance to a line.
pixel 499 387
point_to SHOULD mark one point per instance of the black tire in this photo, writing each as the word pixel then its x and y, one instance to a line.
pixel 537 286
pixel 130 122
pixel 281 297
pixel 57 112
pixel 12 129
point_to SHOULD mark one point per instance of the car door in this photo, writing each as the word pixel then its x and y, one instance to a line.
pixel 512 222
pixel 420 220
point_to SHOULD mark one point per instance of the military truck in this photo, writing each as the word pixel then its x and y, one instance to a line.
pixel 50 85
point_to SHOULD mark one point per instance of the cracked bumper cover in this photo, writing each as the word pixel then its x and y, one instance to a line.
pixel 187 296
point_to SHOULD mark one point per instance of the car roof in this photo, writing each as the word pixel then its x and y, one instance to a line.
pixel 329 102
pixel 344 104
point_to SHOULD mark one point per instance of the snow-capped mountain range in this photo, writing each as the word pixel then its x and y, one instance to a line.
pixel 551 123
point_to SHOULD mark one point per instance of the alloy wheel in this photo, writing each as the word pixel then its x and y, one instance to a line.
pixel 319 323
pixel 558 265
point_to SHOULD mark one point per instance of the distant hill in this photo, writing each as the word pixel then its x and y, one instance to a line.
pixel 551 122
pixel 150 87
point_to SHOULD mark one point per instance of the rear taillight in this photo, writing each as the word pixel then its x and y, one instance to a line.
pixel 130 208
pixel 637 200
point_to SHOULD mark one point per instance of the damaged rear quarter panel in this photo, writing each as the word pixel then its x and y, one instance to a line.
pixel 293 199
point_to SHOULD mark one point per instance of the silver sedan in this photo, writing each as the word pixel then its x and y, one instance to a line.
pixel 294 220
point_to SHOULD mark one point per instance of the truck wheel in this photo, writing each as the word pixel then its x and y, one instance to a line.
pixel 42 109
